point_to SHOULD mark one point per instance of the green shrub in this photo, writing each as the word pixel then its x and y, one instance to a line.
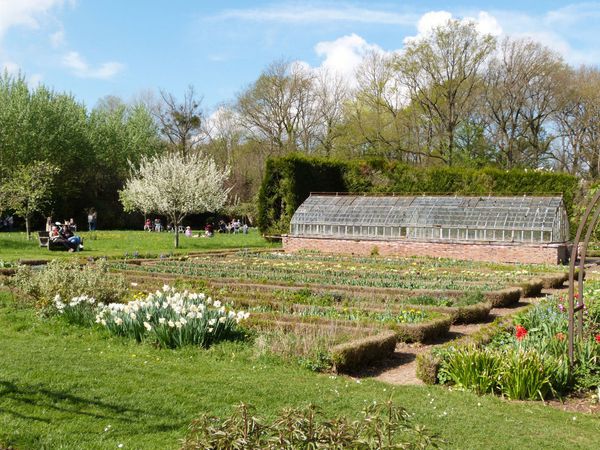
pixel 69 279
pixel 526 375
pixel 381 426
pixel 472 368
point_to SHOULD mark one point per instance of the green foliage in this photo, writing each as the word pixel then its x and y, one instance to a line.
pixel 382 426
pixel 289 180
pixel 472 369
pixel 69 279
pixel 28 189
pixel 90 149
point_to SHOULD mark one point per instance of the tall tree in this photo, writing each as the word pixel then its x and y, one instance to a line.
pixel 443 72
pixel 521 93
pixel 181 122
pixel 175 186
pixel 276 107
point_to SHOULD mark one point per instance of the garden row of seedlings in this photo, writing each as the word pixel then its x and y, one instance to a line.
pixel 359 323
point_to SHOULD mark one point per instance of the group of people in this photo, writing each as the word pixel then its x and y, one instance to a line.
pixel 64 234
pixel 235 226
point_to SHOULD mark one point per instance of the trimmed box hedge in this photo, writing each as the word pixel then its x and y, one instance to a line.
pixel 354 355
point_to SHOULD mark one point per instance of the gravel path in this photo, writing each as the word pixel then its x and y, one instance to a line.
pixel 400 368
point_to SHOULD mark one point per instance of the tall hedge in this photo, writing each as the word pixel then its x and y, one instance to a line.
pixel 289 181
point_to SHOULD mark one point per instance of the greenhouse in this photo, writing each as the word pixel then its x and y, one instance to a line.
pixel 524 220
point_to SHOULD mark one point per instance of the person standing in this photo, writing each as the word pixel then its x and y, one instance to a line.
pixel 92 219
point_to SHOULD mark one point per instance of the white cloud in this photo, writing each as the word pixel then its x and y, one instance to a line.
pixel 342 56
pixel 296 13
pixel 10 67
pixel 82 69
pixel 57 39
pixel 485 23
pixel 25 13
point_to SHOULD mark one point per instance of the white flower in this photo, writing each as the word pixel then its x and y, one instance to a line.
pixel 147 326
pixel 134 284
pixel 171 324
pixel 133 316
pixel 57 297
pixel 182 321
pixel 222 319
pixel 162 320
pixel 178 324
pixel 209 301
pixel 148 316
pixel 166 288
pixel 217 304
pixel 103 322
pixel 212 321
pixel 119 321
pixel 231 314
pixel 210 330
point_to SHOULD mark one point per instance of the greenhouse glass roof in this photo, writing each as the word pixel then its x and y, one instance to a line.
pixel 512 219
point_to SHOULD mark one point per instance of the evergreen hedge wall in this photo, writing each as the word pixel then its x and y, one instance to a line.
pixel 289 181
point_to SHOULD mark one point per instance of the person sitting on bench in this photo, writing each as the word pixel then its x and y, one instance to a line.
pixel 73 240
pixel 57 238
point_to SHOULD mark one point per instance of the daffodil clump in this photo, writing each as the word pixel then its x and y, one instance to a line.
pixel 168 318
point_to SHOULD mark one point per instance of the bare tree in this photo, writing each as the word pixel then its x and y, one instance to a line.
pixel 277 106
pixel 577 122
pixel 181 122
pixel 521 95
pixel 443 72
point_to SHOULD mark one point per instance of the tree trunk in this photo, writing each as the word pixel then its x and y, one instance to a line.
pixel 176 226
pixel 27 227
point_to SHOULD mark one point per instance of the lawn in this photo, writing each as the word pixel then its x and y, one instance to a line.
pixel 69 387
pixel 118 243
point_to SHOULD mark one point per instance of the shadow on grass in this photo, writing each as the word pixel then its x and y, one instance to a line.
pixel 39 397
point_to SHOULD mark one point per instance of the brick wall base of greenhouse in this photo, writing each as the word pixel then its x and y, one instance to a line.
pixel 476 251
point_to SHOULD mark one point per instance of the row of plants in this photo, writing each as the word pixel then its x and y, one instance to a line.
pixel 353 268
pixel 209 270
pixel 527 359
pixel 396 262
pixel 380 426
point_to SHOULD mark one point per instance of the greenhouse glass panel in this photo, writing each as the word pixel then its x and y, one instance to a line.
pixel 452 218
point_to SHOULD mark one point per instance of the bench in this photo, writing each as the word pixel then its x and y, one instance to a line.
pixel 44 240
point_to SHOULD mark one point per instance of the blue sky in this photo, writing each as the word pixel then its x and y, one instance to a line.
pixel 125 47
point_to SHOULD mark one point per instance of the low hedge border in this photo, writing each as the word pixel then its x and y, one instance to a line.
pixel 354 355
pixel 428 363
pixel 424 331
pixel 476 313
pixel 554 281
pixel 532 288
pixel 503 297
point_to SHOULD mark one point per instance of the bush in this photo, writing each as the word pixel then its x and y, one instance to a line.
pixel 69 279
pixel 381 426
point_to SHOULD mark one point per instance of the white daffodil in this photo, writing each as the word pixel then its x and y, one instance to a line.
pixel 212 321
pixel 147 326
pixel 217 304
pixel 171 324
pixel 222 319
pixel 162 320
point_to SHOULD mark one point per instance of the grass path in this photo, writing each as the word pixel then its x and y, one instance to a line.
pixel 63 386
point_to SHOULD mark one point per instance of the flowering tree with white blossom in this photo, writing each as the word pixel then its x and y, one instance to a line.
pixel 175 186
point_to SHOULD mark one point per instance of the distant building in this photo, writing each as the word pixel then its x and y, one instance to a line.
pixel 501 229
